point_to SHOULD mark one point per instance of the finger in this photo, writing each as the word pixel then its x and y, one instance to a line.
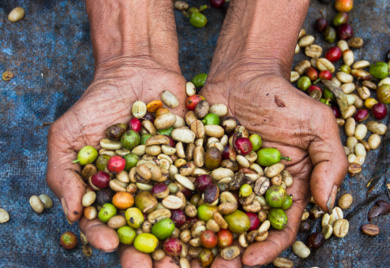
pixel 99 235
pixel 330 166
pixel 167 262
pixel 261 253
pixel 132 258
pixel 220 262
pixel 62 177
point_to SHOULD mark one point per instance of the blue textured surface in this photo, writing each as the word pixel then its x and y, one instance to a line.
pixel 50 53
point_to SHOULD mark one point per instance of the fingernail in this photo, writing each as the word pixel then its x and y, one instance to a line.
pixel 332 198
pixel 65 208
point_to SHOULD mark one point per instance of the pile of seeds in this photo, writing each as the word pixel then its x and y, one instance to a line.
pixel 350 92
pixel 185 187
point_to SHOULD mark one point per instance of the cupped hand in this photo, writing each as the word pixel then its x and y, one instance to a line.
pixel 297 125
pixel 117 84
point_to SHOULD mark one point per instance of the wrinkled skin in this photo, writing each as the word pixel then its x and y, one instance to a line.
pixel 116 85
pixel 300 127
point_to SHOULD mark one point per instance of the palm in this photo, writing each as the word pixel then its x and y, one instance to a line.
pixel 295 124
pixel 108 100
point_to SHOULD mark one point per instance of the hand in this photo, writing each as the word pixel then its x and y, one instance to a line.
pixel 297 125
pixel 116 86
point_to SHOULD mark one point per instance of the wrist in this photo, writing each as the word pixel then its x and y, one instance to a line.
pixel 133 29
pixel 260 36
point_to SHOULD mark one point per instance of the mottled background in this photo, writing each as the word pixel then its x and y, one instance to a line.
pixel 50 53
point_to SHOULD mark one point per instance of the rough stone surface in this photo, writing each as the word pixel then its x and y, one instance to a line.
pixel 50 53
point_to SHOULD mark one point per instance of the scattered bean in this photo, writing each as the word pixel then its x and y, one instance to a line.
pixel 341 228
pixel 4 216
pixel 36 204
pixel 16 14
pixel 300 249
pixel 46 200
pixel 370 229
pixel 345 201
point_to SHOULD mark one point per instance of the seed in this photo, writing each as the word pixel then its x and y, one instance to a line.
pixel 344 77
pixel 88 199
pixel 90 213
pixel 185 182
pixel 325 219
pixel 190 87
pixel 36 204
pixel 351 143
pixel 230 253
pixel 110 145
pixel 376 128
pixel 361 65
pixel 341 228
pixel 16 14
pixel 304 227
pixel 46 200
pixel 349 128
pixel 302 66
pixel 313 51
pixel 355 42
pixel 7 75
pixel 214 131
pixel 370 85
pixel 348 57
pixel 305 216
pixel 360 150
pixel 83 238
pixel 139 109
pixel 359 160
pixel 169 99
pixel 364 92
pixel 183 135
pixel 282 263
pixel 172 202
pixel 305 41
pixel 360 131
pixel 348 88
pixel 117 221
pixel 302 33
pixel 337 213
pixel 374 141
pixel 384 81
pixel 4 216
pixel 165 121
pixel 274 170
pixel 345 201
pixel 158 255
pixel 370 229
pixel 297 49
pixel 294 76
pixel 327 231
pixel 323 64
pixel 343 45
pixel 315 240
pixel 351 158
pixel 300 249
pixel 219 109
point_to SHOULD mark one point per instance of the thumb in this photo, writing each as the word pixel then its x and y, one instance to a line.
pixel 63 177
pixel 330 165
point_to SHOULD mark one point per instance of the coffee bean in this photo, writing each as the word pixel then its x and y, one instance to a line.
pixel 304 227
pixel 370 229
pixel 315 240
pixel 341 228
